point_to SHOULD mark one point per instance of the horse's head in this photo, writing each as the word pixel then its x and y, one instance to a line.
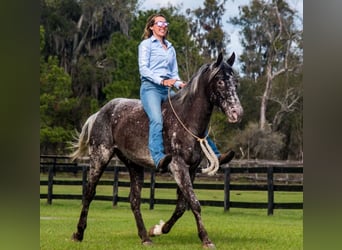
pixel 223 86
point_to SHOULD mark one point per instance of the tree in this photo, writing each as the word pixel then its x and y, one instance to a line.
pixel 206 28
pixel 59 19
pixel 256 143
pixel 77 33
pixel 273 47
pixel 81 27
pixel 56 104
pixel 122 54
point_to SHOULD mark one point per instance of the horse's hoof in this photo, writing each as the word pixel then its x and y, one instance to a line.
pixel 209 246
pixel 147 243
pixel 76 238
pixel 156 229
pixel 151 232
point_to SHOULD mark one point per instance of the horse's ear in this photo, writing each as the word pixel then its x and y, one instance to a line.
pixel 231 59
pixel 219 60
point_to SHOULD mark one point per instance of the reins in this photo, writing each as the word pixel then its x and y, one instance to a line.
pixel 207 150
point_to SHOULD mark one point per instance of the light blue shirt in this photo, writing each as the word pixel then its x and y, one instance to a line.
pixel 156 63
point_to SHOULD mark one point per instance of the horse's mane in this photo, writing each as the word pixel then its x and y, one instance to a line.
pixel 192 86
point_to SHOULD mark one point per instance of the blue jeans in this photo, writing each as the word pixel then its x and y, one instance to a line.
pixel 152 96
pixel 213 147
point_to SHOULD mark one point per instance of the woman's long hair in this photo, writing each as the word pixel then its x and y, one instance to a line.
pixel 149 23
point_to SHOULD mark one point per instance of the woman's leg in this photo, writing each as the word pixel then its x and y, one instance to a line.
pixel 223 158
pixel 151 98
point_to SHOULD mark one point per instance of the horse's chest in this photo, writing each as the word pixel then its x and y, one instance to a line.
pixel 185 146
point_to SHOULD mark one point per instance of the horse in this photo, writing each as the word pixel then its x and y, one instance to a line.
pixel 121 127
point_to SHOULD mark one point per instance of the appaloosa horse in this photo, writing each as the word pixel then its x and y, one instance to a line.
pixel 121 128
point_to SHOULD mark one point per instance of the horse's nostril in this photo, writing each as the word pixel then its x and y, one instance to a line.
pixel 237 110
pixel 236 113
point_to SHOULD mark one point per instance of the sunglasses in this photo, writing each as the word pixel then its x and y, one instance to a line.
pixel 162 24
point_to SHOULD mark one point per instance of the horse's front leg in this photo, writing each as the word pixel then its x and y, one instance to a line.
pixel 181 207
pixel 164 228
pixel 183 178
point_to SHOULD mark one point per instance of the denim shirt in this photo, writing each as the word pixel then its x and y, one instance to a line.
pixel 156 63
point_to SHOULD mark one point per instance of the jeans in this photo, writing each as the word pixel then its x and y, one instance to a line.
pixel 213 147
pixel 152 96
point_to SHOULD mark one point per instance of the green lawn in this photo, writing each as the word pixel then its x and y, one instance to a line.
pixel 114 228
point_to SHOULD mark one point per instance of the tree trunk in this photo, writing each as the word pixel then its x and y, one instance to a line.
pixel 265 97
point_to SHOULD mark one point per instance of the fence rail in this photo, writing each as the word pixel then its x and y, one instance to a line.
pixel 55 164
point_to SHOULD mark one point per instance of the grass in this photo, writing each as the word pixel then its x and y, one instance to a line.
pixel 114 228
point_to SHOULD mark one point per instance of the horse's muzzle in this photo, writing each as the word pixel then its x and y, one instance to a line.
pixel 235 114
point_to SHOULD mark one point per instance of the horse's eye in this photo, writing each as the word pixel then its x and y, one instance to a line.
pixel 221 82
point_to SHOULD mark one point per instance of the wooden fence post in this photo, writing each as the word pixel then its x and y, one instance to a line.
pixel 50 184
pixel 84 182
pixel 116 186
pixel 270 188
pixel 152 188
pixel 226 189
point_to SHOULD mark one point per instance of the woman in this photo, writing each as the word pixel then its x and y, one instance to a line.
pixel 158 71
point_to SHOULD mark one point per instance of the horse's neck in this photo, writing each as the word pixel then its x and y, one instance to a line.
pixel 195 115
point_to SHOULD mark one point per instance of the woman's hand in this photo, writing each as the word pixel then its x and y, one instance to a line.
pixel 171 82
pixel 182 84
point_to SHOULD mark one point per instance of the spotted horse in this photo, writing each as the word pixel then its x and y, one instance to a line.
pixel 121 127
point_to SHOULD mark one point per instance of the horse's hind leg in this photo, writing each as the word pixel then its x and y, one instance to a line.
pixel 137 179
pixel 99 159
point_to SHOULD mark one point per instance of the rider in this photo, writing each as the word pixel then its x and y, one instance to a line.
pixel 158 71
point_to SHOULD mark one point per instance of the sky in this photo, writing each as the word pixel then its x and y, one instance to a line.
pixel 231 11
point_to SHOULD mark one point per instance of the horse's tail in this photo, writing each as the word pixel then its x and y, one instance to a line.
pixel 82 142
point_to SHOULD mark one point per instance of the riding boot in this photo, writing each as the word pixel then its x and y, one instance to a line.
pixel 163 164
pixel 226 157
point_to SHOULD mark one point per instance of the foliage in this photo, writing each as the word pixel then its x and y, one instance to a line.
pixel 206 29
pixel 272 58
pixel 188 52
pixel 87 85
pixel 273 46
pixel 41 38
pixel 56 104
pixel 269 36
pixel 256 143
pixel 59 19
pixel 122 52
